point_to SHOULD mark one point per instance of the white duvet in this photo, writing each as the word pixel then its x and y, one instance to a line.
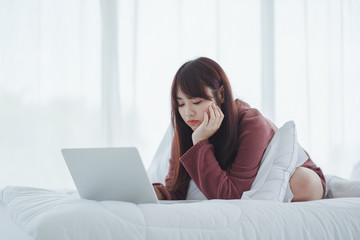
pixel 46 214
pixel 54 215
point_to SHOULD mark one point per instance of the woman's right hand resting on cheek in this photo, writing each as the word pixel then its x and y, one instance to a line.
pixel 209 126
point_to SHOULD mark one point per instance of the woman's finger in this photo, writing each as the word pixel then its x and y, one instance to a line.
pixel 212 115
pixel 216 112
pixel 220 115
pixel 206 119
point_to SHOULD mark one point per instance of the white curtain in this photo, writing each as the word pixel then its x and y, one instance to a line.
pixel 317 58
pixel 50 88
pixel 98 73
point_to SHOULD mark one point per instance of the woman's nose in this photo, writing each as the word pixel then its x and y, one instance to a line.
pixel 189 111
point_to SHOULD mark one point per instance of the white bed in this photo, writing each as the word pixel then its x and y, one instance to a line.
pixel 264 212
pixel 8 229
pixel 44 214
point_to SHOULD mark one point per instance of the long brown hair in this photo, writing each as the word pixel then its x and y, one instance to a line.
pixel 191 79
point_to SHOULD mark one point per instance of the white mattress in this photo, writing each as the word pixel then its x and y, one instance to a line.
pixel 8 229
pixel 45 214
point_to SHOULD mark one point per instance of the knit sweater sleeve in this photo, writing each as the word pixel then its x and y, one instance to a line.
pixel 255 132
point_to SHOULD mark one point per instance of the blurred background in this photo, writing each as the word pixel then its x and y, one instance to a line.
pixel 97 73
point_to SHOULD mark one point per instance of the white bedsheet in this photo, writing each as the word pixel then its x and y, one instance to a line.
pixel 46 214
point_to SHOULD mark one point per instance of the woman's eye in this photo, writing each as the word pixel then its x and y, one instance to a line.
pixel 196 103
pixel 180 105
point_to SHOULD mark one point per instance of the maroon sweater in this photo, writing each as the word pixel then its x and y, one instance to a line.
pixel 255 132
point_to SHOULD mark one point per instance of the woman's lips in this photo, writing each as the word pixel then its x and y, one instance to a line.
pixel 193 122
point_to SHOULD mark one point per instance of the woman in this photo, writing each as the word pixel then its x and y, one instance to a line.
pixel 219 142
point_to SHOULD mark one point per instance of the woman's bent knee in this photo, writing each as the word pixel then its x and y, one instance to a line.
pixel 306 185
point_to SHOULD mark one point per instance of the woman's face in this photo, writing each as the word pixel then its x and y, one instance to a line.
pixel 192 109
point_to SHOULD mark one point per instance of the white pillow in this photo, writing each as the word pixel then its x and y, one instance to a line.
pixel 355 173
pixel 340 187
pixel 194 192
pixel 159 166
pixel 278 163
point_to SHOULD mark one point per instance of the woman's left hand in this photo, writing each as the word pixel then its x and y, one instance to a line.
pixel 210 124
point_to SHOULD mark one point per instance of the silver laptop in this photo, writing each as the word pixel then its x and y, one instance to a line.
pixel 109 174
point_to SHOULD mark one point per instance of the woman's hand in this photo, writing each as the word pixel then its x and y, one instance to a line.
pixel 209 126
pixel 159 194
